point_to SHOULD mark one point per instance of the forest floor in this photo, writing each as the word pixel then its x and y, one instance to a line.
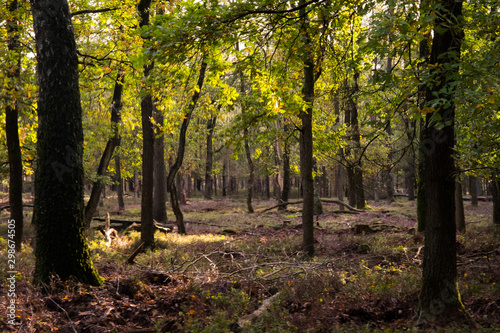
pixel 239 272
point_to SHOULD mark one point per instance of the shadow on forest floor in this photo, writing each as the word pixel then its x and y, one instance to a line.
pixel 238 272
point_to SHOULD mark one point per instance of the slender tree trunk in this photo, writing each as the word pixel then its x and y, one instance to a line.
pixel 181 150
pixel 210 157
pixel 61 248
pixel 287 179
pixel 160 172
pixel 389 181
pixel 439 300
pixel 248 154
pixel 459 207
pixel 339 184
pixel 224 177
pixel 113 142
pixel 147 107
pixel 473 190
pixel 136 185
pixel 306 138
pixel 495 193
pixel 251 175
pixel 11 125
pixel 119 179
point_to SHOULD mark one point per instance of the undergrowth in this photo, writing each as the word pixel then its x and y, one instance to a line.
pixel 210 281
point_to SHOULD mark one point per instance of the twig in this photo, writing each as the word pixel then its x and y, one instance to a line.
pixel 67 315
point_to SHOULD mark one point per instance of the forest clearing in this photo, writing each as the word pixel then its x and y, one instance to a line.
pixel 365 276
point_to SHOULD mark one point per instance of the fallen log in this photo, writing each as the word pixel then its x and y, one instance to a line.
pixel 8 206
pixel 352 209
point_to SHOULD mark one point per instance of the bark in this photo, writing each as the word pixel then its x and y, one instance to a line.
pixel 248 154
pixel 159 172
pixel 285 192
pixel 473 190
pixel 251 171
pixel 61 248
pixel 495 193
pixel 147 106
pixel 339 184
pixel 181 150
pixel 113 142
pixel 224 177
pixel 389 181
pixel 360 191
pixel 306 139
pixel 119 179
pixel 11 125
pixel 459 208
pixel 439 300
pixel 210 158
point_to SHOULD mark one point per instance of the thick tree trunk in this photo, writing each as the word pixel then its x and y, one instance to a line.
pixel 61 248
pixel 459 208
pixel 306 139
pixel 181 150
pixel 160 172
pixel 439 300
pixel 112 143
pixel 12 128
pixel 209 158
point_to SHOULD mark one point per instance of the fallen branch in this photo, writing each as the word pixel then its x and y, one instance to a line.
pixel 338 202
pixel 352 209
pixel 8 206
pixel 130 259
pixel 266 304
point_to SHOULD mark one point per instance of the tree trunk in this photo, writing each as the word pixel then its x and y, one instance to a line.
pixel 61 248
pixel 224 177
pixel 11 125
pixel 147 107
pixel 439 300
pixel 473 190
pixel 112 143
pixel 495 193
pixel 181 150
pixel 306 138
pixel 210 157
pixel 339 184
pixel 160 172
pixel 285 193
pixel 459 208
pixel 119 179
pixel 136 185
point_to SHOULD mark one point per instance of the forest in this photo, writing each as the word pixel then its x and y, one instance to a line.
pixel 250 166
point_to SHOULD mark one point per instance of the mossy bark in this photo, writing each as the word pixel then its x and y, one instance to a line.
pixel 61 248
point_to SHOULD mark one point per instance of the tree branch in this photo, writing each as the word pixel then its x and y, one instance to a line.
pixel 93 11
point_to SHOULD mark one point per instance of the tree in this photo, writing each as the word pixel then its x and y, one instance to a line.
pixel 147 107
pixel 112 143
pixel 61 248
pixel 439 299
pixel 11 123
pixel 306 137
